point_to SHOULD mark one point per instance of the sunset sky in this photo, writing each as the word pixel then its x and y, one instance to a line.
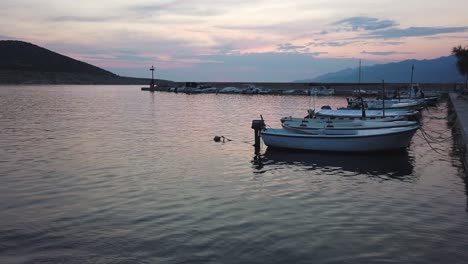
pixel 238 40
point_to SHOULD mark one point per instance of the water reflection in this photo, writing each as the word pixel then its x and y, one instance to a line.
pixel 393 165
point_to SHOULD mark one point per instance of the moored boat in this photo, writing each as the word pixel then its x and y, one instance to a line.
pixel 370 114
pixel 358 140
pixel 307 125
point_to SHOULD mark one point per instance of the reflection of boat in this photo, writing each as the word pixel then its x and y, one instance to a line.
pixel 358 140
pixel 396 164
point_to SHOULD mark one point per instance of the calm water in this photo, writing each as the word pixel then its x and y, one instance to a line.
pixel 110 174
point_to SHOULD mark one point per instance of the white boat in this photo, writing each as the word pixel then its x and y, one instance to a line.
pixel 322 90
pixel 252 89
pixel 230 90
pixel 395 104
pixel 295 92
pixel 311 126
pixel 370 114
pixel 429 97
pixel 377 104
pixel 359 140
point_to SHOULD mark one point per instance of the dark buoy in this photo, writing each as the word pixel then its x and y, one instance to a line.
pixel 257 126
pixel 218 139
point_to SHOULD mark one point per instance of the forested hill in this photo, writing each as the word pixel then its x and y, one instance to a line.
pixel 24 56
pixel 25 63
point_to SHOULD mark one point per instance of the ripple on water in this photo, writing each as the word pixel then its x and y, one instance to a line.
pixel 109 174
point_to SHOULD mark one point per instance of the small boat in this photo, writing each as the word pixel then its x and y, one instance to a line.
pixel 389 103
pixel 311 126
pixel 370 114
pixel 230 90
pixel 358 140
pixel 322 90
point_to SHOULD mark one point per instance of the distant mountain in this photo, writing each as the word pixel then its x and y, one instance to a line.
pixel 440 70
pixel 25 63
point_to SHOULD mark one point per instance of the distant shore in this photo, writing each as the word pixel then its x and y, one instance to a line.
pixel 340 88
pixel 36 77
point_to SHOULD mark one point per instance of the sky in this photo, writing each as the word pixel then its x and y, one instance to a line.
pixel 237 40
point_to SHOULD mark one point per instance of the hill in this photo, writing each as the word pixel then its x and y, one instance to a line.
pixel 440 70
pixel 25 63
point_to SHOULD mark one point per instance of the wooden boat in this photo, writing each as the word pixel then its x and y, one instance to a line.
pixel 357 140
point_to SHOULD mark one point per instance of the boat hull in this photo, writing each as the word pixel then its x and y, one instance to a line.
pixel 313 126
pixel 371 114
pixel 394 138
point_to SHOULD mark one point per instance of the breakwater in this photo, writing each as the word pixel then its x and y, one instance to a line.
pixel 340 88
pixel 458 113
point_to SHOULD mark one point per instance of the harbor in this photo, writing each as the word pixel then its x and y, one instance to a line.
pixel 111 174
pixel 457 103
pixel 293 88
pixel 100 173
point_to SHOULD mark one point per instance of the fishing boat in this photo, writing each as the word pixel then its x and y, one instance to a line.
pixel 357 140
pixel 388 103
pixel 397 114
pixel 322 90
pixel 415 92
pixel 312 126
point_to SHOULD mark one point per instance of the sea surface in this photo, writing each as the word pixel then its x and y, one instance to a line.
pixel 111 174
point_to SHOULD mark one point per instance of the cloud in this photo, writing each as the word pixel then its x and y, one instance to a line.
pixel 189 8
pixel 414 32
pixel 364 23
pixel 384 53
pixel 395 43
pixel 83 18
pixel 330 43
pixel 290 47
pixel 2 37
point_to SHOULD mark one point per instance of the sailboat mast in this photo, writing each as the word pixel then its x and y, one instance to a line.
pixel 360 95
pixel 383 99
pixel 411 83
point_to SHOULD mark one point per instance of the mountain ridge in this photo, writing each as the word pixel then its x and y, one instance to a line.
pixel 26 63
pixel 439 70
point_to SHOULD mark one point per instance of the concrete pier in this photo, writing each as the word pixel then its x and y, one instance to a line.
pixel 341 89
pixel 459 107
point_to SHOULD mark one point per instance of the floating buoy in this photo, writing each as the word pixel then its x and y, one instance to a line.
pixel 218 139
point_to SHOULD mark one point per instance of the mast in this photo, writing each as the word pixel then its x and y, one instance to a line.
pixel 411 83
pixel 383 100
pixel 360 95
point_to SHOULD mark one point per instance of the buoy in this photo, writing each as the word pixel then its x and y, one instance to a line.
pixel 218 139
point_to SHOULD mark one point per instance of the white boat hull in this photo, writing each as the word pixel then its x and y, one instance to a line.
pixel 313 126
pixel 341 141
pixel 369 113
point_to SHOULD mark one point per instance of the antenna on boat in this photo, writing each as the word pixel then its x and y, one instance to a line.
pixel 383 98
pixel 359 90
pixel 411 83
